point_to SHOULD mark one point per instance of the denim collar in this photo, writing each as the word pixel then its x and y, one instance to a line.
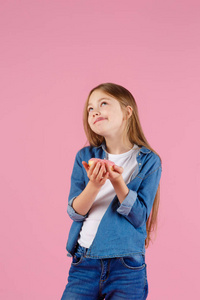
pixel 143 149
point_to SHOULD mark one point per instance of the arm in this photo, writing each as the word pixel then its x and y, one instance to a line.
pixel 77 186
pixel 84 201
pixel 136 205
pixel 81 197
pixel 121 188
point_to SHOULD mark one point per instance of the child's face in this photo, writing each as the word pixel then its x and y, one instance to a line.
pixel 108 110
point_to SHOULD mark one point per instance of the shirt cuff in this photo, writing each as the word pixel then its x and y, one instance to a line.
pixel 74 215
pixel 127 204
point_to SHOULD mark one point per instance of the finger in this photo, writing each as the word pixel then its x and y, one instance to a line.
pixel 96 169
pixel 92 167
pixel 101 171
pixel 103 180
pixel 108 168
pixel 118 169
pixel 85 165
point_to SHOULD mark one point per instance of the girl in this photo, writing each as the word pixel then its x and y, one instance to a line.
pixel 113 210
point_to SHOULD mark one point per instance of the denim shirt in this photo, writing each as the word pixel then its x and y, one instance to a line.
pixel 122 229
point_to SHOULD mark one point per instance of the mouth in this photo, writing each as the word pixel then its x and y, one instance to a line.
pixel 100 119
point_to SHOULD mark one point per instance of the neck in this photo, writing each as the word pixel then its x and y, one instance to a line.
pixel 117 146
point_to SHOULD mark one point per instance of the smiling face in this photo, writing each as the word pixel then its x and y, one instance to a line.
pixel 105 116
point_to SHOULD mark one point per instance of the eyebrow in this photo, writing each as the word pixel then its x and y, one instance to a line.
pixel 100 100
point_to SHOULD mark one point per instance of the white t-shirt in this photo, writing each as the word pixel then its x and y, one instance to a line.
pixel 106 194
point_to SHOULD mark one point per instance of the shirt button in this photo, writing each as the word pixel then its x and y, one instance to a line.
pixel 139 153
pixel 139 163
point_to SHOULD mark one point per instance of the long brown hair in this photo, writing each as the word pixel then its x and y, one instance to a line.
pixel 134 132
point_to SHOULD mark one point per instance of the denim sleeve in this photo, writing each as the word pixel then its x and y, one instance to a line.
pixel 127 204
pixel 77 186
pixel 137 206
pixel 73 214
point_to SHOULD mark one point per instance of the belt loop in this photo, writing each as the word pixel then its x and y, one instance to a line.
pixel 82 249
pixel 85 251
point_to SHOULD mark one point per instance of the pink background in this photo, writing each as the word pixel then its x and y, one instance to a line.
pixel 52 54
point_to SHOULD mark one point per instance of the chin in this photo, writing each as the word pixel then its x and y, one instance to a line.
pixel 99 132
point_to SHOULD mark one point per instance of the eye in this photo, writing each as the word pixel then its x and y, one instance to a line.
pixel 103 102
pixel 89 109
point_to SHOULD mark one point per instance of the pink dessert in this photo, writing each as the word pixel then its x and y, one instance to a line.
pixel 92 160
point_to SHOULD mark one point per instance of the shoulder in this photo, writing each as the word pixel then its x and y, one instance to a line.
pixel 150 159
pixel 86 152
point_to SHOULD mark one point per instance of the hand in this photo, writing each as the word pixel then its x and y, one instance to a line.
pixel 115 174
pixel 96 173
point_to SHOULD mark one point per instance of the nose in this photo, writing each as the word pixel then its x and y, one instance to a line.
pixel 95 113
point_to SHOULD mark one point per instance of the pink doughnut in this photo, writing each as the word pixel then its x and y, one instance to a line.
pixel 111 163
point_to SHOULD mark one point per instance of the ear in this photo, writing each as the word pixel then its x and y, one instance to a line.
pixel 129 111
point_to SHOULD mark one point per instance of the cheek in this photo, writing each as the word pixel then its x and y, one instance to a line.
pixel 117 117
pixel 91 125
pixel 89 121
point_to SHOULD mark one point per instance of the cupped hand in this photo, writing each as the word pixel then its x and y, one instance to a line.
pixel 96 172
pixel 115 174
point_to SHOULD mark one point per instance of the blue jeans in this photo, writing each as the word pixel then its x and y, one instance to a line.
pixel 111 278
